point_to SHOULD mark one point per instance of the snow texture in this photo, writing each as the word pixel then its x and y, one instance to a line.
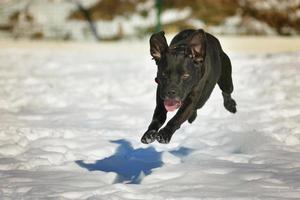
pixel 72 118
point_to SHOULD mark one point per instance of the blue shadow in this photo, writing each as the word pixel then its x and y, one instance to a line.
pixel 130 164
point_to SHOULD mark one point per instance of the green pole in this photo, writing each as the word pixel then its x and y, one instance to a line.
pixel 158 4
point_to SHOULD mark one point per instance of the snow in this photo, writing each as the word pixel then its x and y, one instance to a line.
pixel 72 116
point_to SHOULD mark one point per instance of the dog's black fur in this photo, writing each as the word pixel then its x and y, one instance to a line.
pixel 188 71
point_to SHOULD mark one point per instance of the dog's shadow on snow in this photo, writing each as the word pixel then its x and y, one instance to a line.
pixel 130 164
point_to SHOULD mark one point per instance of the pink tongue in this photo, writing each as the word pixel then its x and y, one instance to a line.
pixel 172 104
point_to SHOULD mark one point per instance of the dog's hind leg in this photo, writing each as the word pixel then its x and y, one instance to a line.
pixel 226 85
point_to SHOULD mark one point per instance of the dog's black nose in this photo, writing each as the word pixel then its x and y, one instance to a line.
pixel 171 93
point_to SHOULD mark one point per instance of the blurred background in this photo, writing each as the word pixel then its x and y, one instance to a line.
pixel 102 20
pixel 76 75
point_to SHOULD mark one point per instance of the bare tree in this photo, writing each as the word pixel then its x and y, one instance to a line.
pixel 88 18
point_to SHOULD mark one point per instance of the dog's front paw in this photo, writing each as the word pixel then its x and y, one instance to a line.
pixel 164 135
pixel 149 137
pixel 230 105
pixel 192 117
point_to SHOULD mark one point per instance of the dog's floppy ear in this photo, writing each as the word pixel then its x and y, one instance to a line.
pixel 196 46
pixel 158 45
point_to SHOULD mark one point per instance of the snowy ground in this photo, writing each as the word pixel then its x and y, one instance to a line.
pixel 72 117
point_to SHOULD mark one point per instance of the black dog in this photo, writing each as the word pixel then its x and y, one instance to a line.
pixel 188 71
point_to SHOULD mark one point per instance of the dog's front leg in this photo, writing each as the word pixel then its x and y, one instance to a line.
pixel 158 119
pixel 184 113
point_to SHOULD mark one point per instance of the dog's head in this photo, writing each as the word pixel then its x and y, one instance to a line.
pixel 180 66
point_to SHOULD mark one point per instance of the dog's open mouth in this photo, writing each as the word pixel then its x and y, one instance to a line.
pixel 172 104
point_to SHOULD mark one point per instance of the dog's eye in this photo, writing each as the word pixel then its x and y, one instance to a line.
pixel 185 76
